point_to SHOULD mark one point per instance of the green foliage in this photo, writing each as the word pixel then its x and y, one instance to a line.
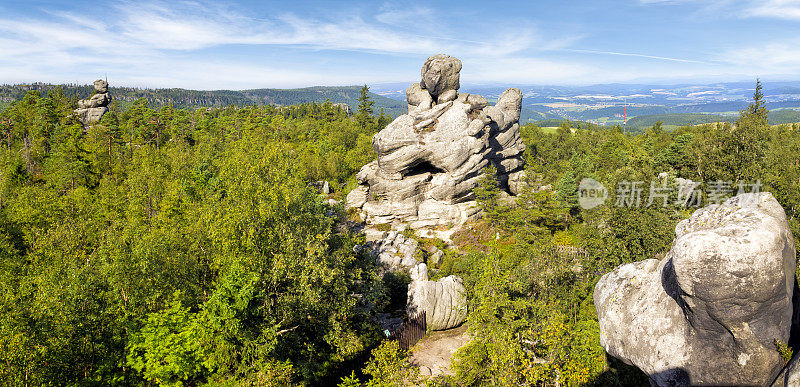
pixel 185 247
pixel 487 193
pixel 192 99
pixel 737 153
pixel 389 367
pixel 173 246
pixel 365 103
pixel 784 350
pixel 165 350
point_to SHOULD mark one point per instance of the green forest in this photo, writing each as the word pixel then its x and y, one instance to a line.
pixel 184 98
pixel 183 246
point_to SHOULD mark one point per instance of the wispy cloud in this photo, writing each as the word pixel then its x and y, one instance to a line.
pixel 151 36
pixel 204 44
pixel 777 9
pixel 780 57
pixel 615 53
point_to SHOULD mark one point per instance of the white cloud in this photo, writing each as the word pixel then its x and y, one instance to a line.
pixel 771 58
pixel 156 37
pixel 160 44
pixel 616 53
pixel 781 9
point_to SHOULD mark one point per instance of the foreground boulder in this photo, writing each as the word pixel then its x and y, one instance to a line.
pixel 711 311
pixel 92 109
pixel 429 160
pixel 444 301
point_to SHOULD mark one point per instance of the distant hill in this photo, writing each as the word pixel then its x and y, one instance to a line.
pixel 184 98
pixel 553 122
pixel 677 119
pixel 776 117
pixel 532 113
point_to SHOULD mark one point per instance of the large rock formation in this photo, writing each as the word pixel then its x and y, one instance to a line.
pixel 92 109
pixel 429 160
pixel 444 301
pixel 710 312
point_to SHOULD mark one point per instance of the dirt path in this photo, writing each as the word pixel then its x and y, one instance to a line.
pixel 433 353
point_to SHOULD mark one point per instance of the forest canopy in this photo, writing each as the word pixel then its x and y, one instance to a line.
pixel 189 246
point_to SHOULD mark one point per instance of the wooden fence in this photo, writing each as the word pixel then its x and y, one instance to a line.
pixel 411 331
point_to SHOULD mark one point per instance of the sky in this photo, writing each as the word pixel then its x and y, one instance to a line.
pixel 297 43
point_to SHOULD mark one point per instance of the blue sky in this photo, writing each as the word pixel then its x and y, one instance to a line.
pixel 251 44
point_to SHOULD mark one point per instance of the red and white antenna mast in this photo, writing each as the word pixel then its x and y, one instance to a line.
pixel 625 114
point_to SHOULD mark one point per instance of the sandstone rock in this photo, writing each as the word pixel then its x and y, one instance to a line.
pixel 92 109
pixel 440 73
pixel 418 98
pixel 357 197
pixel 344 107
pixel 790 377
pixel 710 311
pixel 89 115
pixel 444 301
pixel 430 160
pixel 101 86
pixel 436 257
pixel 392 250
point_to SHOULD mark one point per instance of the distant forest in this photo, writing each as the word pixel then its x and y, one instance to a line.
pixel 183 98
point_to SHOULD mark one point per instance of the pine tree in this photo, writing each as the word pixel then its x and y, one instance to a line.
pixel 364 102
pixel 757 110
pixel 364 115
pixel 383 119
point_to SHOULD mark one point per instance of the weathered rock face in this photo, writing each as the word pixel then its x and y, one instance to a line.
pixel 709 312
pixel 394 251
pixel 790 376
pixel 444 301
pixel 92 109
pixel 429 160
pixel 345 108
pixel 441 77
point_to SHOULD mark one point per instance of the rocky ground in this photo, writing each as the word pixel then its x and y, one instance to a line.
pixel 435 351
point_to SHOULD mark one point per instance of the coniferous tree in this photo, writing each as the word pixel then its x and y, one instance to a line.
pixel 365 104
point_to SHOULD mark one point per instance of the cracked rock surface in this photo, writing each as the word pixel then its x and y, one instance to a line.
pixel 429 160
pixel 444 301
pixel 710 312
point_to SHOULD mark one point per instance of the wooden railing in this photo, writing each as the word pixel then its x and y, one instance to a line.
pixel 411 331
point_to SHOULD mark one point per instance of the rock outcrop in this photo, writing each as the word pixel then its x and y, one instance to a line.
pixel 395 251
pixel 92 109
pixel 711 311
pixel 344 107
pixel 444 301
pixel 429 160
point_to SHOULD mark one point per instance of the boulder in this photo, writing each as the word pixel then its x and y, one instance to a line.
pixel 429 160
pixel 90 115
pixel 441 73
pixel 392 250
pixel 711 311
pixel 100 86
pixel 444 301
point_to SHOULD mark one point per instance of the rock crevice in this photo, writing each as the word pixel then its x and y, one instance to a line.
pixel 711 311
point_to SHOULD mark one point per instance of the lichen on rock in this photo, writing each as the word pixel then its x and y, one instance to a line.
pixel 711 311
